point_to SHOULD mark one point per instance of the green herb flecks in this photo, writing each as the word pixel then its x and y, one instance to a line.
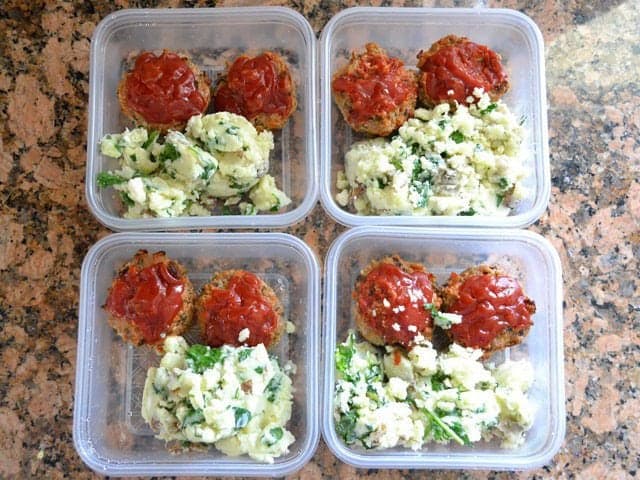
pixel 202 357
pixel 153 136
pixel 457 136
pixel 272 387
pixel 490 108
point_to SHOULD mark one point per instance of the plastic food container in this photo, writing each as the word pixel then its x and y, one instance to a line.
pixel 211 37
pixel 524 254
pixel 108 431
pixel 403 32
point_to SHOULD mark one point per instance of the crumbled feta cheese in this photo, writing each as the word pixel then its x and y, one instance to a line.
pixel 386 303
pixel 244 335
pixel 396 327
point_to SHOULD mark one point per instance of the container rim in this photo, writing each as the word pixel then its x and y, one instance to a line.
pixel 543 182
pixel 188 15
pixel 86 324
pixel 451 461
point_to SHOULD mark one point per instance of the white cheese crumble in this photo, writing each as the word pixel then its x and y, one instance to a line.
pixel 244 335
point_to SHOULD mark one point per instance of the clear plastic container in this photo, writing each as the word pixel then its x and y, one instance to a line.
pixel 524 254
pixel 211 37
pixel 108 431
pixel 403 32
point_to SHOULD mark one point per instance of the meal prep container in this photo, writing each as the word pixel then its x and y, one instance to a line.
pixel 403 32
pixel 524 254
pixel 108 431
pixel 211 37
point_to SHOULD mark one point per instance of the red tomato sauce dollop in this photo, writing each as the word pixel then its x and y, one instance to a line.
pixel 454 71
pixel 392 300
pixel 256 86
pixel 240 305
pixel 489 304
pixel 163 89
pixel 149 298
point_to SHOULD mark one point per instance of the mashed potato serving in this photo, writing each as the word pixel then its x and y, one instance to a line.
pixel 393 397
pixel 237 398
pixel 441 162
pixel 219 156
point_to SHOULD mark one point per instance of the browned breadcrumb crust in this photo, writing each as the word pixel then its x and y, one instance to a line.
pixel 363 322
pixel 183 319
pixel 377 125
pixel 508 337
pixel 269 121
pixel 221 281
pixel 203 84
pixel 423 57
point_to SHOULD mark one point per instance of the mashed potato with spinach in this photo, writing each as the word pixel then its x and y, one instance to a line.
pixel 220 156
pixel 238 399
pixel 390 397
pixel 440 163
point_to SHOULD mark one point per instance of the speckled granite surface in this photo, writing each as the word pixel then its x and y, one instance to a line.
pixel 593 66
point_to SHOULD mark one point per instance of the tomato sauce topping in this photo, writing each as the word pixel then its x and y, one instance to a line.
pixel 489 304
pixel 256 86
pixel 377 85
pixel 393 300
pixel 238 306
pixel 149 298
pixel 163 89
pixel 460 68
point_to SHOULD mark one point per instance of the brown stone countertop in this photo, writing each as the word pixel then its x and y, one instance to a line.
pixel 593 67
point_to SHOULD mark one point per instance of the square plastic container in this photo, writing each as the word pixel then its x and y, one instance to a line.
pixel 211 37
pixel 527 256
pixel 109 433
pixel 403 32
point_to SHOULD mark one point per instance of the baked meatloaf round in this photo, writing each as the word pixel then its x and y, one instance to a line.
pixel 150 298
pixel 454 66
pixel 394 300
pixel 259 88
pixel 375 93
pixel 495 312
pixel 163 92
pixel 238 308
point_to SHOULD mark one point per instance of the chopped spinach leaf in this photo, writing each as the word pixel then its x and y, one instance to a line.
pixel 106 179
pixel 243 416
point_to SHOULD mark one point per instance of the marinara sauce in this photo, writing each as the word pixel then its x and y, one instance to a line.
pixel 256 86
pixel 240 305
pixel 163 89
pixel 392 300
pixel 459 66
pixel 149 298
pixel 376 84
pixel 489 304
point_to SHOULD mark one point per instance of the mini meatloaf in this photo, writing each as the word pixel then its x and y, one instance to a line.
pixel 150 298
pixel 496 313
pixel 258 88
pixel 375 93
pixel 238 308
pixel 394 300
pixel 163 92
pixel 454 66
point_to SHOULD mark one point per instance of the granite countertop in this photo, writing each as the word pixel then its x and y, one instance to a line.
pixel 593 65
